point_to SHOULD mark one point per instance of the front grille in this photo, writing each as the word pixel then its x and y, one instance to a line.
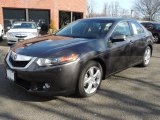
pixel 18 63
pixel 11 41
pixel 20 36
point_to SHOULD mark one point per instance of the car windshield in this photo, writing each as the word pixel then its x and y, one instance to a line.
pixel 157 26
pixel 86 29
pixel 24 26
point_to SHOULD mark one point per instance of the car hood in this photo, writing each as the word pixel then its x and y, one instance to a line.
pixel 46 46
pixel 22 30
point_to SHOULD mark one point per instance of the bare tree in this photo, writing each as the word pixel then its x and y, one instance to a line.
pixel 90 11
pixel 148 8
pixel 114 9
pixel 136 15
pixel 105 9
pixel 111 10
pixel 124 13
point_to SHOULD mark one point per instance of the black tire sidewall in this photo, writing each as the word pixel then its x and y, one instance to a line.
pixel 81 90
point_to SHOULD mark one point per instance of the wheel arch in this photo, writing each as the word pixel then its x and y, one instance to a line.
pixel 102 63
pixel 151 48
pixel 156 34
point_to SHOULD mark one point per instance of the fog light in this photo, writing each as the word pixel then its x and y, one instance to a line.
pixel 46 86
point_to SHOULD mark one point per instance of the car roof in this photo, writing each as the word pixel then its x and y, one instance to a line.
pixel 151 22
pixel 115 19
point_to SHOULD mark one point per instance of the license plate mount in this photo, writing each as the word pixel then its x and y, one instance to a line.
pixel 11 75
pixel 19 40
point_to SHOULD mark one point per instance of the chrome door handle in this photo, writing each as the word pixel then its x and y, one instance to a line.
pixel 131 41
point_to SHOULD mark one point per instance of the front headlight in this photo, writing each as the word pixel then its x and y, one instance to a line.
pixel 46 62
pixel 56 61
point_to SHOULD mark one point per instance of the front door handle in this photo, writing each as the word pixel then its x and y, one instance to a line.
pixel 110 44
pixel 144 36
pixel 131 41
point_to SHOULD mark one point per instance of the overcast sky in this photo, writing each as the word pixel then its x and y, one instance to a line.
pixel 98 4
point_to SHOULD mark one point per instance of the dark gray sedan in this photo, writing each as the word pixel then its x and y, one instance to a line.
pixel 79 57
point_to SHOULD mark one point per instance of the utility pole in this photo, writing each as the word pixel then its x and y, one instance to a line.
pixel 132 13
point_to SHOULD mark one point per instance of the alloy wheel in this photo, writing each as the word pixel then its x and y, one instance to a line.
pixel 156 38
pixel 92 79
pixel 147 56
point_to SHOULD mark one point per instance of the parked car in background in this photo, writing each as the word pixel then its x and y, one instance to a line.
pixel 21 31
pixel 8 24
pixel 154 28
pixel 79 56
pixel 1 32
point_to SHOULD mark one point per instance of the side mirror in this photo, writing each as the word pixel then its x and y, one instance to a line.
pixel 118 38
pixel 38 28
pixel 8 28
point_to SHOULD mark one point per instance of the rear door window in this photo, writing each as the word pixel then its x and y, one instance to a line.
pixel 122 29
pixel 137 29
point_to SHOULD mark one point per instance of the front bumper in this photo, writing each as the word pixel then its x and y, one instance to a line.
pixel 52 81
pixel 4 37
pixel 13 40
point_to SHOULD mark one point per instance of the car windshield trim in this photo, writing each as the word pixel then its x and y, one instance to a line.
pixel 76 36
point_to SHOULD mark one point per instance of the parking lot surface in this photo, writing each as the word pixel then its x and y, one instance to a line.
pixel 133 94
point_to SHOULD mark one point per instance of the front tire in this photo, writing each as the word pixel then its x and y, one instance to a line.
pixel 146 57
pixel 90 79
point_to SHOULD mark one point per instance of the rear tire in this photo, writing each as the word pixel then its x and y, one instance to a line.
pixel 156 38
pixel 146 57
pixel 90 79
